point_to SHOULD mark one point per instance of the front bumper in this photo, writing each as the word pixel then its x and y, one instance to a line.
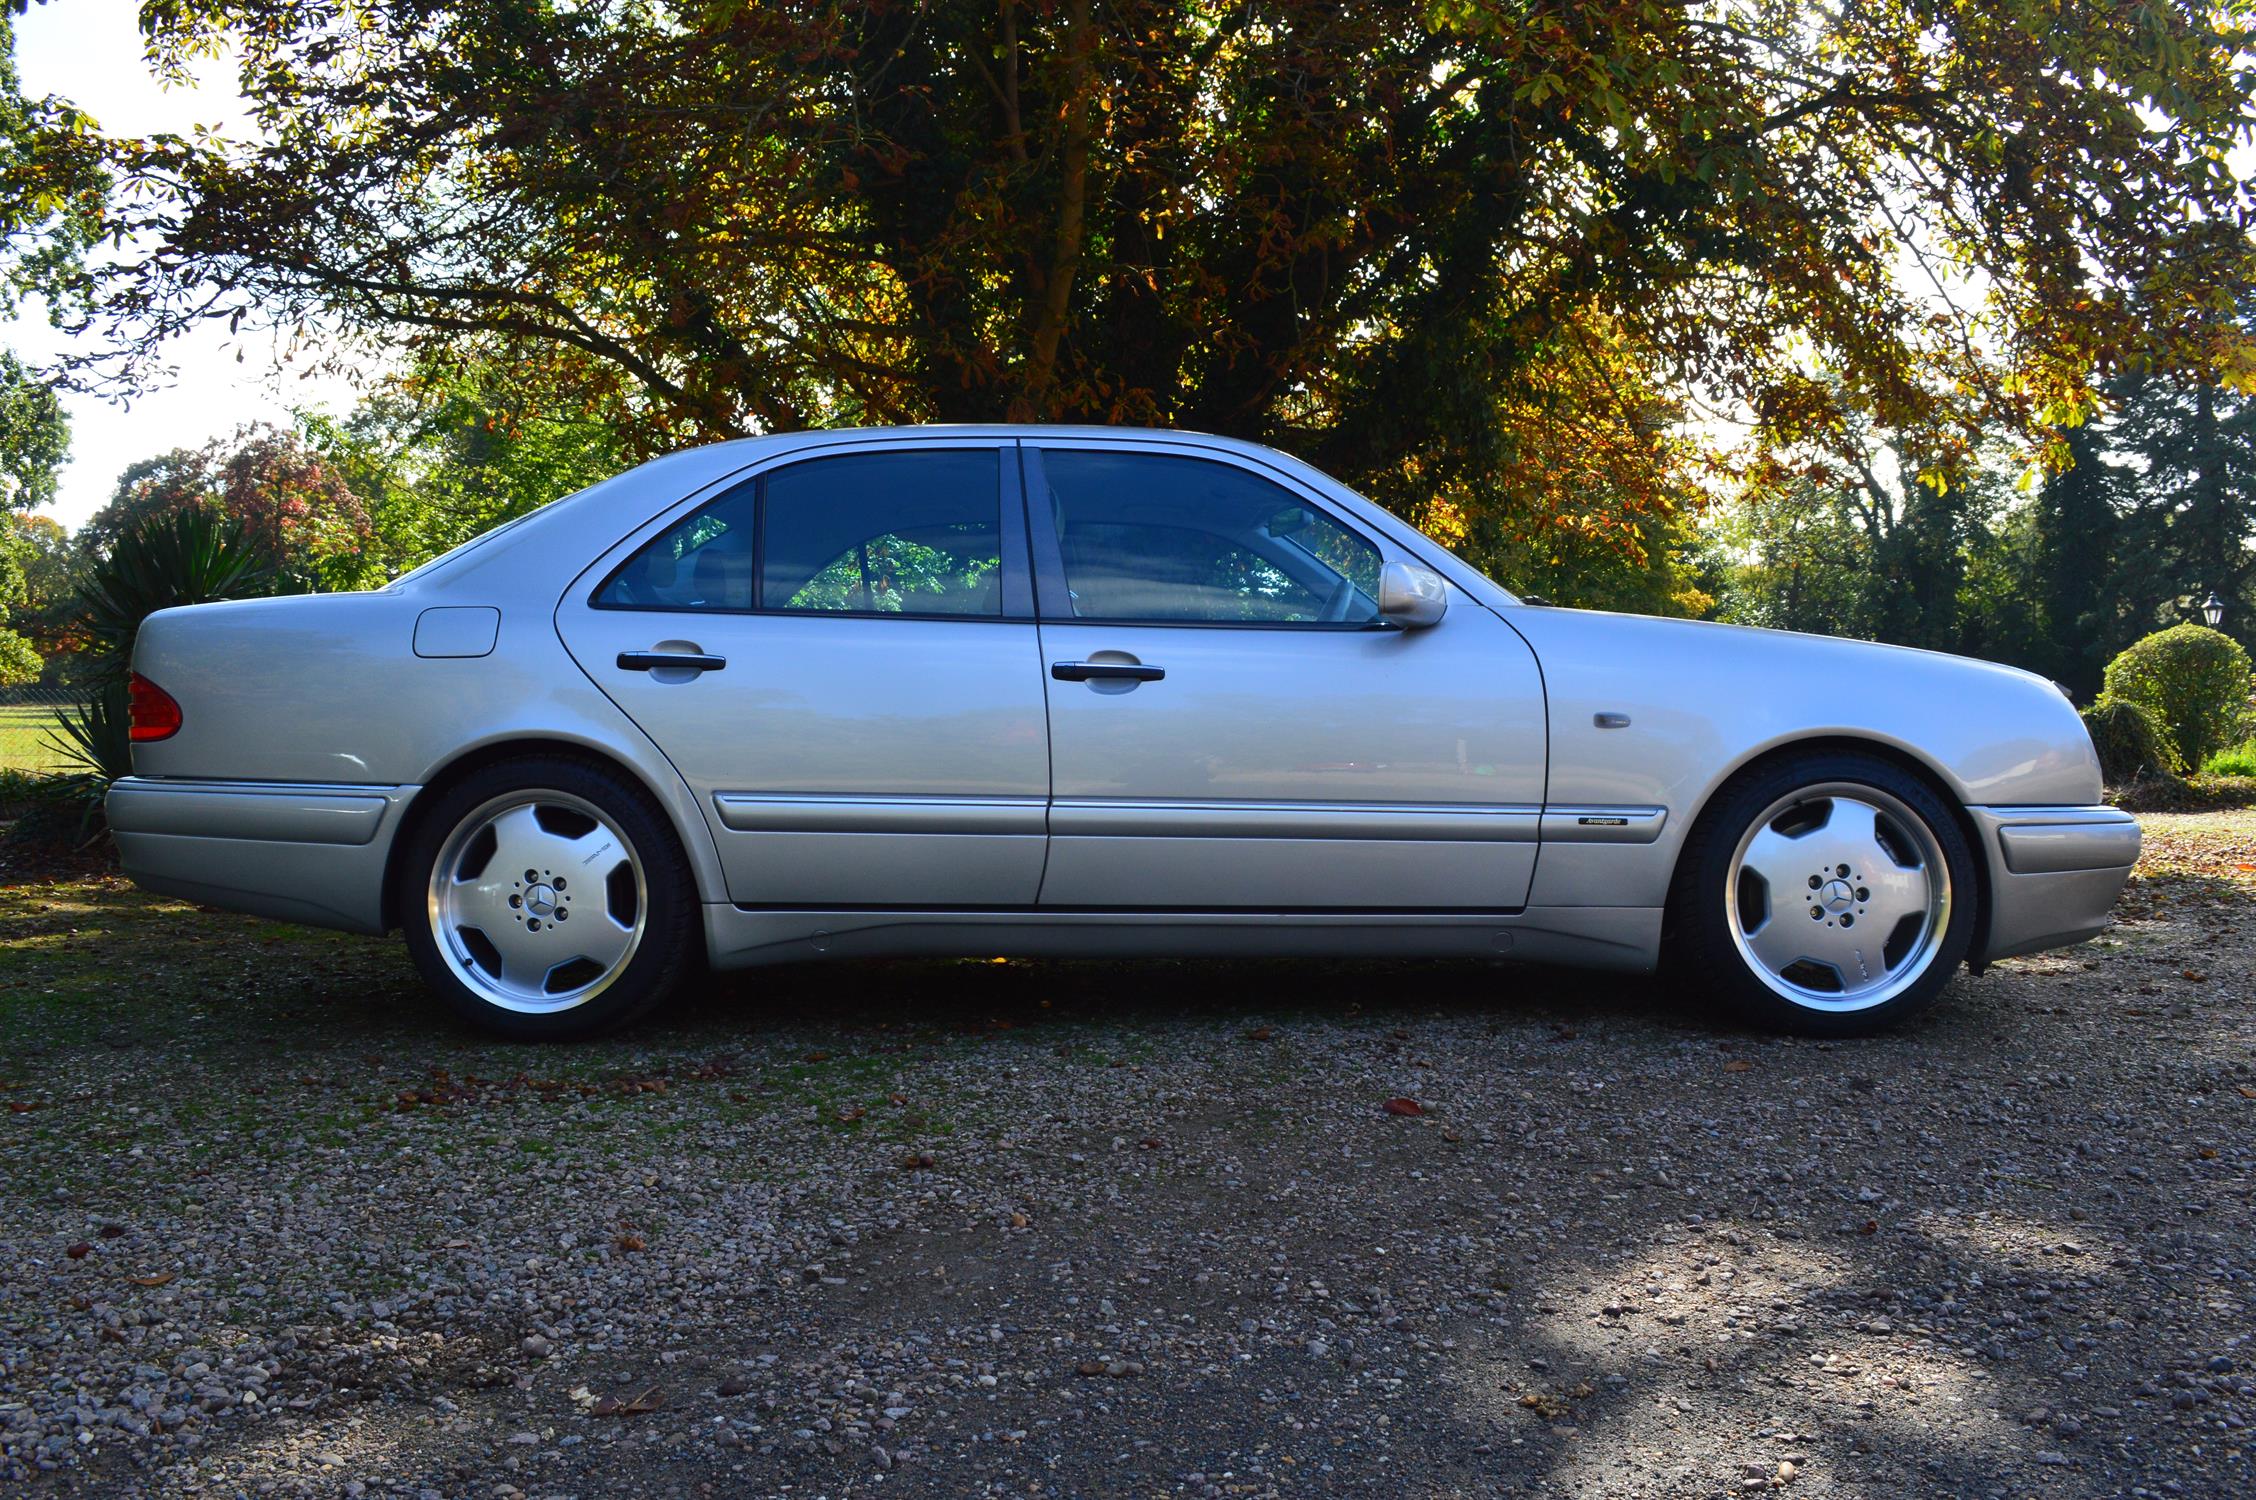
pixel 2054 873
pixel 299 852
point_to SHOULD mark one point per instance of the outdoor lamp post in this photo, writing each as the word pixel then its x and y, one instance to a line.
pixel 2213 610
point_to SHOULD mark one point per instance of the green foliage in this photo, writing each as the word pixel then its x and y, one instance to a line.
pixel 34 438
pixel 2131 741
pixel 54 191
pixel 2240 760
pixel 95 743
pixel 34 442
pixel 458 444
pixel 188 557
pixel 1865 548
pixel 2196 682
pixel 19 663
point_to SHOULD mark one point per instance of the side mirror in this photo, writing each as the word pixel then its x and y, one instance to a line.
pixel 1411 597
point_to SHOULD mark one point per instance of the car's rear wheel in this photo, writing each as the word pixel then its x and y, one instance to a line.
pixel 1827 893
pixel 546 899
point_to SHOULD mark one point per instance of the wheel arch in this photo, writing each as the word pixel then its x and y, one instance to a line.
pixel 1904 759
pixel 476 758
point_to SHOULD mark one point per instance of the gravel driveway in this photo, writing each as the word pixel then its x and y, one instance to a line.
pixel 268 1224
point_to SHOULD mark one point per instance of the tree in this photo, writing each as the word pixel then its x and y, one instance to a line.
pixel 458 444
pixel 2077 532
pixel 294 505
pixel 1361 232
pixel 2186 492
pixel 34 438
pixel 34 443
pixel 1873 547
pixel 54 188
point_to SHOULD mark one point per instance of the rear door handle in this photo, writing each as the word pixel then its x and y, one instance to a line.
pixel 1105 671
pixel 694 661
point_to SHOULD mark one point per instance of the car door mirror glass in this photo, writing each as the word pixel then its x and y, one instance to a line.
pixel 1411 597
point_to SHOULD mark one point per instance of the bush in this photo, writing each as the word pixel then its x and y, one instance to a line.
pixel 2131 742
pixel 2196 682
pixel 2240 760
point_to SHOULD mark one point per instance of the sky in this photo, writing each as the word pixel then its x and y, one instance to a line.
pixel 89 51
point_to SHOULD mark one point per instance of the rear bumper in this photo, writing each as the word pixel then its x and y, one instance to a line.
pixel 2054 873
pixel 312 853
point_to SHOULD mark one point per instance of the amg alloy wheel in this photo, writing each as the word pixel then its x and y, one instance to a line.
pixel 1829 893
pixel 547 898
pixel 536 901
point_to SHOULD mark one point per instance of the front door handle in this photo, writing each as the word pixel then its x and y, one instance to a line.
pixel 694 661
pixel 1105 671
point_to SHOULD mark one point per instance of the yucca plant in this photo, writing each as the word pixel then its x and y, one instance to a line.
pixel 193 556
pixel 93 740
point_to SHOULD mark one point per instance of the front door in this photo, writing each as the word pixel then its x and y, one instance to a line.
pixel 1231 725
pixel 839 657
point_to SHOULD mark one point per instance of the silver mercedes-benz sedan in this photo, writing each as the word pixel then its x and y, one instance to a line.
pixel 1082 691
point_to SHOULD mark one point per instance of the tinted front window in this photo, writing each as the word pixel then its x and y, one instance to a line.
pixel 1165 539
pixel 877 533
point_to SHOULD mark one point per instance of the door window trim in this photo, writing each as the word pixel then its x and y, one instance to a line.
pixel 1013 546
pixel 1049 552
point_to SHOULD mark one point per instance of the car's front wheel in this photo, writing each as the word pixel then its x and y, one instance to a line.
pixel 1827 893
pixel 546 899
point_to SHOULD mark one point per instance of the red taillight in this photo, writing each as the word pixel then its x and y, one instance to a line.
pixel 152 712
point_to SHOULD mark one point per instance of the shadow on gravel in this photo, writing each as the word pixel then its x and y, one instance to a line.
pixel 976 996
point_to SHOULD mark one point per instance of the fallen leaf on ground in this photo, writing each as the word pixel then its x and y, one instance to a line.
pixel 166 1279
pixel 1260 1034
pixel 1738 1065
pixel 1404 1107
pixel 78 1251
pixel 631 1406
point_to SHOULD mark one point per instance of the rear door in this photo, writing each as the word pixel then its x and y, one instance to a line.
pixel 839 656
pixel 1231 726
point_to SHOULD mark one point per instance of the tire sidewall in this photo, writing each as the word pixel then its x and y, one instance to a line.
pixel 670 938
pixel 1700 927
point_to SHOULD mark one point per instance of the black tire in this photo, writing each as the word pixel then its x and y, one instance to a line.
pixel 669 945
pixel 1712 903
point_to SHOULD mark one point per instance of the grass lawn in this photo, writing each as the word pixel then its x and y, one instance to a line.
pixel 24 730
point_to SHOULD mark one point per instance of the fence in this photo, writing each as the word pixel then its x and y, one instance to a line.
pixel 29 722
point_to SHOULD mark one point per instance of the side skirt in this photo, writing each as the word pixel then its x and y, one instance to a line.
pixel 1622 938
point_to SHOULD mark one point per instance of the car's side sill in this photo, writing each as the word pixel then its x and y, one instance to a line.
pixel 1139 913
pixel 1623 938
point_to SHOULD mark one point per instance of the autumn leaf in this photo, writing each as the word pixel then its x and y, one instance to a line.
pixel 165 1278
pixel 1738 1065
pixel 1403 1107
pixel 647 1400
